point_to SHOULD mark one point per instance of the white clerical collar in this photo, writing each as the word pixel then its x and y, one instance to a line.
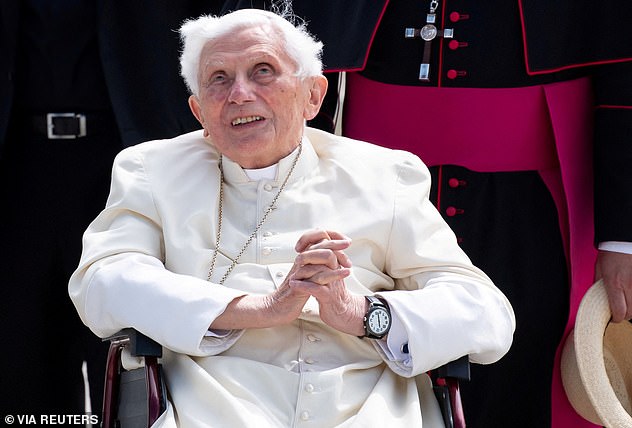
pixel 267 173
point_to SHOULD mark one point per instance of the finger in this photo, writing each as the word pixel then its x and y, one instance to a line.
pixel 321 292
pixel 616 299
pixel 319 277
pixel 308 271
pixel 328 277
pixel 336 242
pixel 333 293
pixel 627 293
pixel 318 257
pixel 343 259
pixel 309 238
pixel 316 236
pixel 618 306
pixel 337 248
pixel 336 235
pixel 333 244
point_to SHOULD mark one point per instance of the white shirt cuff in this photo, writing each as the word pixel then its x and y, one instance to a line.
pixel 396 342
pixel 616 246
pixel 217 333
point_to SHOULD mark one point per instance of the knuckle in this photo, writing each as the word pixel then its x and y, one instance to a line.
pixel 300 259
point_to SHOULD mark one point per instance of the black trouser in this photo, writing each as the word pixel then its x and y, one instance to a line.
pixel 50 190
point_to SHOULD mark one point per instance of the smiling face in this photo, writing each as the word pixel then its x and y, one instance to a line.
pixel 250 103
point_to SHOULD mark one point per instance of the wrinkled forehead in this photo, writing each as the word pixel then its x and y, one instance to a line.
pixel 243 45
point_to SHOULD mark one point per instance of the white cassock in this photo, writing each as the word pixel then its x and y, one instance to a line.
pixel 146 258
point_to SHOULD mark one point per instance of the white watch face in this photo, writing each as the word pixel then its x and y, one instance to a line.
pixel 378 321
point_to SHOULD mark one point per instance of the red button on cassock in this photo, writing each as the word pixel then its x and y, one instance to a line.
pixel 455 44
pixel 455 182
pixel 452 211
pixel 456 16
pixel 453 74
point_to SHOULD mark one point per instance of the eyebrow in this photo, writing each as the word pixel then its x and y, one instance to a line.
pixel 258 57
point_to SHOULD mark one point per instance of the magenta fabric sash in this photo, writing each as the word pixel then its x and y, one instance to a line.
pixel 547 128
pixel 451 125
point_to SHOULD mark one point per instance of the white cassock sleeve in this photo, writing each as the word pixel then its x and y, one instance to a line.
pixel 122 282
pixel 443 307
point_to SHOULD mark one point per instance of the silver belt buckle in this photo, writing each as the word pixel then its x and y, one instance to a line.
pixel 50 126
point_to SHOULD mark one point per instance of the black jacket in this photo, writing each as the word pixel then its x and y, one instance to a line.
pixel 139 48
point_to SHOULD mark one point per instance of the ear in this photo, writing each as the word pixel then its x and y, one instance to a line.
pixel 317 93
pixel 194 105
pixel 196 109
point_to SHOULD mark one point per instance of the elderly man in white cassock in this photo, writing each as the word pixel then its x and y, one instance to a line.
pixel 293 277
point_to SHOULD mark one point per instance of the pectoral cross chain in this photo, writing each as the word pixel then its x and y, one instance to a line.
pixel 428 33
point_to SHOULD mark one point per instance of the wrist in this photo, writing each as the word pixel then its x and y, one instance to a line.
pixel 363 308
pixel 377 320
pixel 273 312
pixel 247 311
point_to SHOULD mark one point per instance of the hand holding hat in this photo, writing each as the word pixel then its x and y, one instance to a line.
pixel 597 363
pixel 616 271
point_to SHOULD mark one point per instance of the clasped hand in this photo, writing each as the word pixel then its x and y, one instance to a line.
pixel 319 270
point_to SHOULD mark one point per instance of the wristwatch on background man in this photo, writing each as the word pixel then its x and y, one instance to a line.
pixel 377 320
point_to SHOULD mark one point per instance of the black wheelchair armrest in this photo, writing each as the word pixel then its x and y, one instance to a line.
pixel 137 397
pixel 446 387
pixel 457 369
pixel 139 345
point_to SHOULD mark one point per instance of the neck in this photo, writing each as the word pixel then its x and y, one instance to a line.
pixel 267 173
pixel 255 162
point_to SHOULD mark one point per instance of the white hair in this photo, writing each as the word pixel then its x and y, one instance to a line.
pixel 300 46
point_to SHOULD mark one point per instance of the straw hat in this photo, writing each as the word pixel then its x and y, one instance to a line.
pixel 597 363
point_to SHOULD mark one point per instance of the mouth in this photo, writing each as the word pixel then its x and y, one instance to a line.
pixel 247 119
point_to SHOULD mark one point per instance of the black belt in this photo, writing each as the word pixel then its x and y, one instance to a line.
pixel 71 125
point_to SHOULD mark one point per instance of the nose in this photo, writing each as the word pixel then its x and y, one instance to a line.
pixel 241 91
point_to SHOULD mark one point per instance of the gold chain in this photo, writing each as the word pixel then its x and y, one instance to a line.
pixel 271 207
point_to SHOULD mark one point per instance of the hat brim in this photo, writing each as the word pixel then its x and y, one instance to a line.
pixel 584 373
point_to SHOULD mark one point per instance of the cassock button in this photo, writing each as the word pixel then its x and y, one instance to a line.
pixel 455 182
pixel 456 16
pixel 279 274
pixel 312 338
pixel 267 234
pixel 309 360
pixel 453 74
pixel 267 251
pixel 452 211
pixel 309 387
pixel 267 187
pixel 305 416
pixel 455 44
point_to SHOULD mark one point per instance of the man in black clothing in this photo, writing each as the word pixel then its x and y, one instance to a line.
pixel 73 93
